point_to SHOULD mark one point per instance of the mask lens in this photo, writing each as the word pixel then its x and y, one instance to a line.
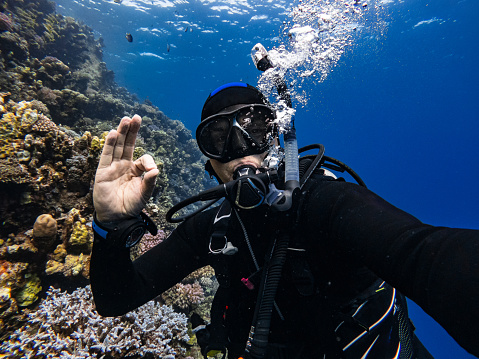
pixel 213 136
pixel 257 122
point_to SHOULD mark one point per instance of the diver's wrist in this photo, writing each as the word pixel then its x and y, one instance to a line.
pixel 127 232
pixel 103 226
pixel 108 218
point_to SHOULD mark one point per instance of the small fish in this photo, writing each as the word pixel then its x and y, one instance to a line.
pixel 129 37
pixel 168 47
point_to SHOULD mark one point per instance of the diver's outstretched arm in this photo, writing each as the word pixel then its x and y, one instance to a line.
pixel 437 267
pixel 123 186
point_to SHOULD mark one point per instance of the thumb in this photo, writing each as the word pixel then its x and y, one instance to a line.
pixel 146 164
pixel 148 183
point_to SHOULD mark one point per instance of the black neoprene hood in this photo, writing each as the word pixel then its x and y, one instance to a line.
pixel 230 94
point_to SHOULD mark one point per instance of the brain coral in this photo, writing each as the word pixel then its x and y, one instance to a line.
pixel 44 231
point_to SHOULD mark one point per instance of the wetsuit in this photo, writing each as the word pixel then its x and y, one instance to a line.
pixel 353 241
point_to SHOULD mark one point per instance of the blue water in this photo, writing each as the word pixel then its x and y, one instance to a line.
pixel 400 107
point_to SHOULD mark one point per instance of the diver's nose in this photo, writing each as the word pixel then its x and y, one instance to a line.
pixel 237 141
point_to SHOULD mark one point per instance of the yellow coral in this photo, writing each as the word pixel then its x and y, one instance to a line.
pixel 29 293
pixel 76 265
pixel 59 253
pixel 81 236
pixel 20 119
pixel 53 267
pixel 96 145
pixel 5 295
pixel 8 128
pixel 84 141
pixel 138 152
pixel 50 24
pixel 69 265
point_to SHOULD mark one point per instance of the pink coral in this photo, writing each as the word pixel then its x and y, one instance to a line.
pixel 44 124
pixel 184 296
pixel 149 241
pixel 6 22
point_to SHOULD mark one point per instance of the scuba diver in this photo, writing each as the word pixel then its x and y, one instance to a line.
pixel 313 267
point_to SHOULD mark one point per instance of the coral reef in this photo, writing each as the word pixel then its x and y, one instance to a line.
pixel 67 325
pixel 57 101
pixel 195 293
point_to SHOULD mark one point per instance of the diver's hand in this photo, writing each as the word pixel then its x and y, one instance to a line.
pixel 123 186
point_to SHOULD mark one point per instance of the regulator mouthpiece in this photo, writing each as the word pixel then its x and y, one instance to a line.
pixel 245 170
pixel 249 191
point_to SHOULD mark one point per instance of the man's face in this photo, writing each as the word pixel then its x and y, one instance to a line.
pixel 226 170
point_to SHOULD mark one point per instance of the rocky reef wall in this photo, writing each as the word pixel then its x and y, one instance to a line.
pixel 57 102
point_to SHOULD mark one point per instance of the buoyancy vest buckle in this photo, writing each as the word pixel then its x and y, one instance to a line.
pixel 219 243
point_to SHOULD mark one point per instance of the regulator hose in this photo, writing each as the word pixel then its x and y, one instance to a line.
pixel 258 337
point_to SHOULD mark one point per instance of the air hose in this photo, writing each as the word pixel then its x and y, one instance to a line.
pixel 259 332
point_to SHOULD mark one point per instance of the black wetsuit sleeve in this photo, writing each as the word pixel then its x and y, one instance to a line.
pixel 120 285
pixel 437 267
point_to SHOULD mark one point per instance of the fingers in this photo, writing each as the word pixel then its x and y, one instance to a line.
pixel 120 143
pixel 125 143
pixel 107 152
pixel 131 137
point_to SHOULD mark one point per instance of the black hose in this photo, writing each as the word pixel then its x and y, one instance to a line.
pixel 262 321
pixel 313 164
pixel 346 168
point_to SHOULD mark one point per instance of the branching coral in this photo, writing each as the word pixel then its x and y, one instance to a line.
pixel 147 242
pixel 184 296
pixel 67 325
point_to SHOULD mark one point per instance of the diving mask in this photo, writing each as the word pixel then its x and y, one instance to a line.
pixel 236 132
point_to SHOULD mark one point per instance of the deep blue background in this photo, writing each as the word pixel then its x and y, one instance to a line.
pixel 402 108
